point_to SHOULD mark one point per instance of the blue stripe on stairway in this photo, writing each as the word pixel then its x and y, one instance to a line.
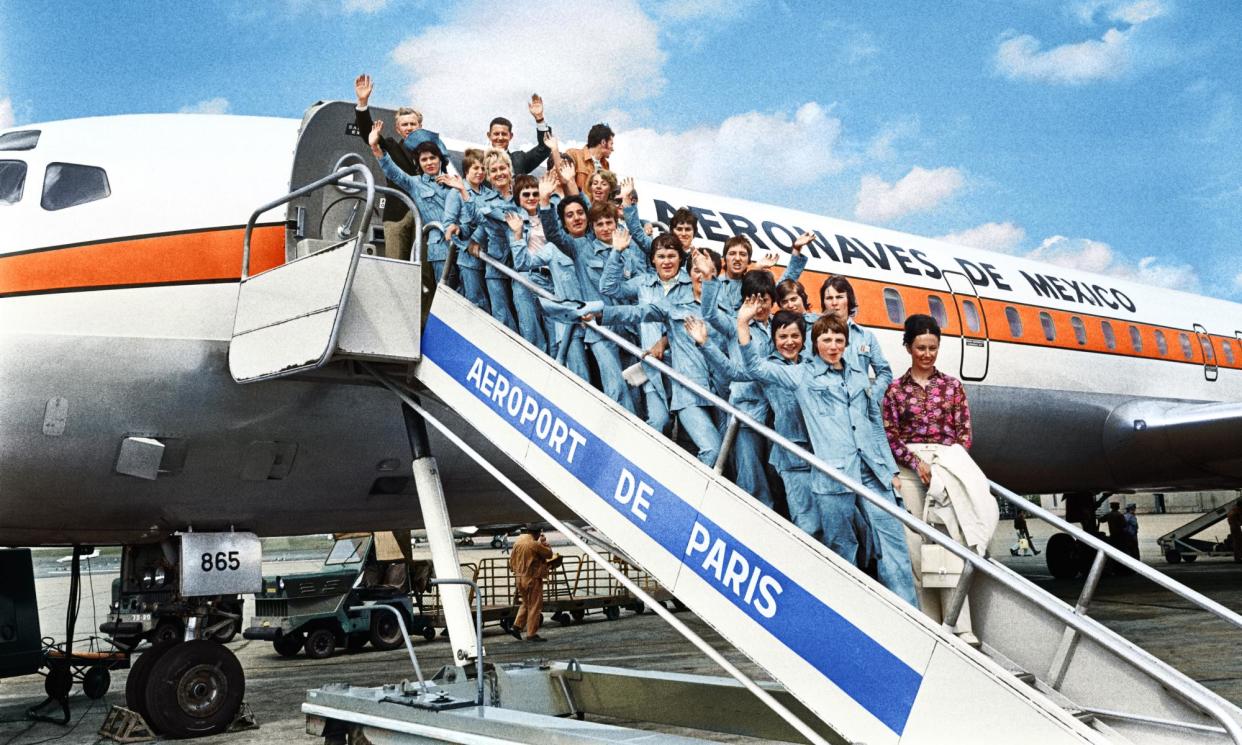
pixel 870 674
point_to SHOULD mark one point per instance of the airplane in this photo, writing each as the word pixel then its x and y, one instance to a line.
pixel 119 271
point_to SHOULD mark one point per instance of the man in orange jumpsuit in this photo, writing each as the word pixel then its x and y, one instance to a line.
pixel 529 563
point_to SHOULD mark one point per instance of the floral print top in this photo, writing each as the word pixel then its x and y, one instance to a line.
pixel 936 414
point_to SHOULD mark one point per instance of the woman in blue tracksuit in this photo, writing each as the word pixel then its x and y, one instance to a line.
pixel 491 236
pixel 461 220
pixel 429 190
pixel 864 353
pixel 836 411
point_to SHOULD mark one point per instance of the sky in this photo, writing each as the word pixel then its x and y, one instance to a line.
pixel 1104 135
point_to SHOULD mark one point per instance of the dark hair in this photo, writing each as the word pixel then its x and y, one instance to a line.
pixel 787 287
pixel 759 282
pixel 598 133
pixel 560 208
pixel 427 146
pixel 600 210
pixel 501 120
pixel 829 323
pixel 784 318
pixel 525 181
pixel 714 255
pixel 917 325
pixel 840 284
pixel 684 215
pixel 740 240
pixel 663 242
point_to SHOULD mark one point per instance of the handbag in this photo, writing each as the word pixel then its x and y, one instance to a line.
pixel 940 569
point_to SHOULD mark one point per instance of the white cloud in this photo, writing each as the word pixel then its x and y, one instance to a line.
pixel 1130 12
pixel 1020 58
pixel 773 148
pixel 1237 281
pixel 6 112
pixel 917 191
pixel 1094 256
pixel 365 6
pixel 882 146
pixel 990 236
pixel 578 74
pixel 217 105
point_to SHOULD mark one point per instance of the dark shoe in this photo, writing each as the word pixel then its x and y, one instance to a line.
pixel 1037 553
pixel 535 638
pixel 1013 552
pixel 515 632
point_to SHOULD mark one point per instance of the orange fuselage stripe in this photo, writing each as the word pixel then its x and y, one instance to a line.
pixel 202 256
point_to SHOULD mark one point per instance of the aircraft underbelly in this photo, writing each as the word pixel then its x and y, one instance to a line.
pixel 278 458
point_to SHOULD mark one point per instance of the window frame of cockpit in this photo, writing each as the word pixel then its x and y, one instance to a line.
pixel 68 168
pixel 21 185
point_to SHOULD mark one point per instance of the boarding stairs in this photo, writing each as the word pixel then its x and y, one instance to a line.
pixel 868 666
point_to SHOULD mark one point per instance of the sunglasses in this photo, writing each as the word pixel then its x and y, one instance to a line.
pixel 528 194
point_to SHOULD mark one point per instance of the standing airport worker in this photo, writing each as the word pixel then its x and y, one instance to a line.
pixel 1131 534
pixel 843 433
pixel 1025 543
pixel 500 135
pixel 1116 523
pixel 1234 520
pixel 926 415
pixel 529 562
pixel 837 296
pixel 398 222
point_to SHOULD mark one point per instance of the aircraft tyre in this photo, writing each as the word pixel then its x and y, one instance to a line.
pixel 320 643
pixel 1061 556
pixel 385 631
pixel 139 674
pixel 195 689
pixel 289 644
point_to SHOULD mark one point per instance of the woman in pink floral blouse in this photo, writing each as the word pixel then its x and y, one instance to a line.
pixel 925 410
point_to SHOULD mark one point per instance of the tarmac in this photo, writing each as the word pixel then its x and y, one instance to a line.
pixel 1198 644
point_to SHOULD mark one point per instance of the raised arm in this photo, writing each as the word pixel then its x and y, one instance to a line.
pixel 696 328
pixel 390 169
pixel 612 282
pixel 797 260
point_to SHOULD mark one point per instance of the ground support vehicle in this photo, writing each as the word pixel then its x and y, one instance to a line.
pixel 324 610
pixel 1178 545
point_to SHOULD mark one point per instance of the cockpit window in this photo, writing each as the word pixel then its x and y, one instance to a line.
pixel 23 139
pixel 12 181
pixel 70 184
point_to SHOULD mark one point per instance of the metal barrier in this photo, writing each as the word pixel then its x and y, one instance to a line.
pixel 1176 681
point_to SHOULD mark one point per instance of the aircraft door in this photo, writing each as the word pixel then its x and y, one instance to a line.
pixel 1210 370
pixel 972 325
pixel 329 139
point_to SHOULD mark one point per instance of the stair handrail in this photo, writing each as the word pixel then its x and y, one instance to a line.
pixel 419 246
pixel 1189 689
pixel 332 178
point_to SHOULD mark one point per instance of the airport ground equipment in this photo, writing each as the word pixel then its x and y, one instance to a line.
pixel 317 612
pixel 864 664
pixel 1181 545
pixel 21 648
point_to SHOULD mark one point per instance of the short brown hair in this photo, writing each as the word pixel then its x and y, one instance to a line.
pixel 469 158
pixel 739 240
pixel 525 181
pixel 829 323
pixel 600 210
pixel 842 285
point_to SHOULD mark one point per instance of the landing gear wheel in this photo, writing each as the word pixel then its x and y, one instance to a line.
pixel 59 681
pixel 1062 556
pixel 95 682
pixel 320 643
pixel 578 614
pixel 289 644
pixel 139 674
pixel 355 642
pixel 612 612
pixel 385 631
pixel 168 630
pixel 195 689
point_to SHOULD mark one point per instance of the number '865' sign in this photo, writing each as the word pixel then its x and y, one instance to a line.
pixel 220 564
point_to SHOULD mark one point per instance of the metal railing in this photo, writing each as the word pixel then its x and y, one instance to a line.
pixel 419 245
pixel 1188 689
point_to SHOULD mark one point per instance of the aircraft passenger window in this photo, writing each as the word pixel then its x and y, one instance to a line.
pixel 1227 347
pixel 1207 349
pixel 1162 344
pixel 1187 351
pixel 1050 331
pixel 972 316
pixel 936 306
pixel 69 184
pixel 1136 339
pixel 1109 337
pixel 1080 331
pixel 12 181
pixel 24 139
pixel 894 305
pixel 1015 322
